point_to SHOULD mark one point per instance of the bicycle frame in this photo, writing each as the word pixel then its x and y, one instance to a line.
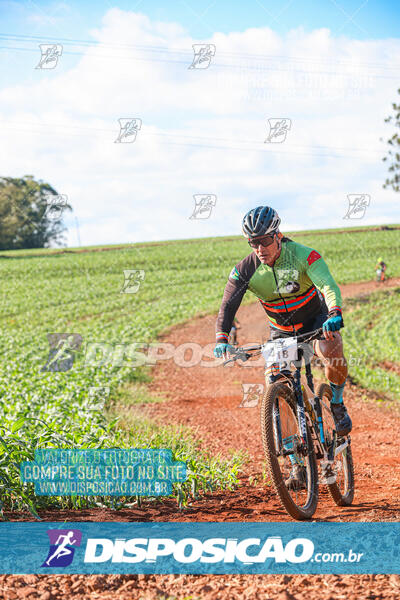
pixel 309 411
pixel 316 425
pixel 324 451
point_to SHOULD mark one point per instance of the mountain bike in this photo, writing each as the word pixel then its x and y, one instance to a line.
pixel 298 429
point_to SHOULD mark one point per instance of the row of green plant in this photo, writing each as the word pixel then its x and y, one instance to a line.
pixel 115 425
pixel 371 337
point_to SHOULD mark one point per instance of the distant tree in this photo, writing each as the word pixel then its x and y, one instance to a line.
pixel 29 217
pixel 393 154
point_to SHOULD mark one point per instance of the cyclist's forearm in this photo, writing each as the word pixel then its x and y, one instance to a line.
pixel 321 277
pixel 233 294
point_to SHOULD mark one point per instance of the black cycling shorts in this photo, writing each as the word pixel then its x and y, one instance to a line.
pixel 314 323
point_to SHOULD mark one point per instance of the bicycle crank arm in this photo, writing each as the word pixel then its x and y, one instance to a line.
pixel 341 447
pixel 285 453
pixel 318 448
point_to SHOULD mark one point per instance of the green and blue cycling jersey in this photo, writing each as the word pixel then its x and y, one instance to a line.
pixel 297 288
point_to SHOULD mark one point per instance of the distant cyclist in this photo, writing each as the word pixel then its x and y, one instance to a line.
pixel 380 269
pixel 298 293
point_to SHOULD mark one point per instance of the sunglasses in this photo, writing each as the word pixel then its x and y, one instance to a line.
pixel 264 241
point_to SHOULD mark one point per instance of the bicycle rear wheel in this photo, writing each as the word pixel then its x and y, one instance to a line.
pixel 342 491
pixel 282 441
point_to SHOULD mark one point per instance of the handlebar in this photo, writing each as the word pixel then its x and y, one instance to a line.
pixel 312 335
pixel 244 354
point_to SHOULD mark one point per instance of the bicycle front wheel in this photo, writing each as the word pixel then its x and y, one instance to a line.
pixel 342 491
pixel 282 446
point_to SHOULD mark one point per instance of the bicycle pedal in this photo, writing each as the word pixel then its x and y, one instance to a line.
pixel 287 452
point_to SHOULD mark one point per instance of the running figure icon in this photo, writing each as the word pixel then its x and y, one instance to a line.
pixel 62 549
pixel 63 543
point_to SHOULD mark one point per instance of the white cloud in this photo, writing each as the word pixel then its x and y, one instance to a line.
pixel 203 131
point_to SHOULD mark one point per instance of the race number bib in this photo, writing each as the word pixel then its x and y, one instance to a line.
pixel 281 351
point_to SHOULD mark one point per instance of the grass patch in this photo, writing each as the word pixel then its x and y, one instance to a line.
pixel 206 472
pixel 371 336
pixel 135 393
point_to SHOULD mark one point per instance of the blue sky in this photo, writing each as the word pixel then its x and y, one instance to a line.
pixel 371 19
pixel 329 68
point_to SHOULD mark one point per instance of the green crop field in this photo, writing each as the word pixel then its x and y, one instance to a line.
pixel 371 336
pixel 46 292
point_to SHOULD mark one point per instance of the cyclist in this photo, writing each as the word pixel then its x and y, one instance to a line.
pixel 380 269
pixel 298 293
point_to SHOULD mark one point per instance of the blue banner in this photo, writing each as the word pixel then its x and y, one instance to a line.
pixel 303 548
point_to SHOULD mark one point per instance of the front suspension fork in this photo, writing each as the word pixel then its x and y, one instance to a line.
pixel 301 415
